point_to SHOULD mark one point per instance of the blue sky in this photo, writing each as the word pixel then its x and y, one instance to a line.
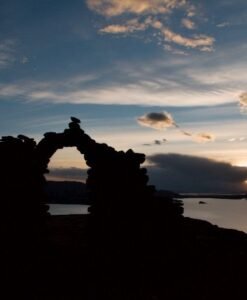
pixel 110 62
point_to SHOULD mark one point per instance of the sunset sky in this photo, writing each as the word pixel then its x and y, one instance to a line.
pixel 163 77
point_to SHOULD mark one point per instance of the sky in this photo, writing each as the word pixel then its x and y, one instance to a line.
pixel 163 77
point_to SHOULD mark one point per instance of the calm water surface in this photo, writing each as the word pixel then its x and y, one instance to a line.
pixel 222 212
pixel 68 209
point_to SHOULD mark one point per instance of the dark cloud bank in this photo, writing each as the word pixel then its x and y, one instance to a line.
pixel 180 173
pixel 185 174
pixel 75 174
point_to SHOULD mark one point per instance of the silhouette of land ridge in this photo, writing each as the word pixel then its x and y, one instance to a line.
pixel 134 244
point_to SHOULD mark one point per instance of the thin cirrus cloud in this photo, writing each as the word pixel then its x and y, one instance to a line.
pixel 223 24
pixel 152 14
pixel 183 81
pixel 126 93
pixel 187 23
pixel 7 53
pixel 163 120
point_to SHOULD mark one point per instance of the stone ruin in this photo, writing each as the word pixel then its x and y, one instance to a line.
pixel 117 184
pixel 127 221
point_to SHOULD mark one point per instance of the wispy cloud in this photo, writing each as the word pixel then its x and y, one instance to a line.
pixel 223 24
pixel 110 8
pixel 7 52
pixel 24 60
pixel 197 41
pixel 173 50
pixel 156 120
pixel 177 81
pixel 152 14
pixel 138 93
pixel 243 99
pixel 190 10
pixel 237 139
pixel 187 23
pixel 163 120
pixel 156 143
pixel 204 137
pixel 130 26
pixel 159 121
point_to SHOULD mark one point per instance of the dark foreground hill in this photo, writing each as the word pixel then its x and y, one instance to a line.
pixel 201 262
pixel 188 259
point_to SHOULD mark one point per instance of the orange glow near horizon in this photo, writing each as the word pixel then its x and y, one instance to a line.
pixel 240 163
pixel 68 158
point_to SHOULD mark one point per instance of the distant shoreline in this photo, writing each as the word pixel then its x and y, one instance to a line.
pixel 215 196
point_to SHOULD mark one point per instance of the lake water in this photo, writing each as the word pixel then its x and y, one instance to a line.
pixel 68 209
pixel 222 212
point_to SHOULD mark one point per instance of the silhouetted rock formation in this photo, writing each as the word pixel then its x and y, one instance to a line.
pixel 22 184
pixel 115 178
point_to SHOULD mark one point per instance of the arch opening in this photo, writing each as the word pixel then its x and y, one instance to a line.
pixel 67 164
pixel 66 179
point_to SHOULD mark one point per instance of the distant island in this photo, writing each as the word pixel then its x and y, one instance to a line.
pixel 66 192
pixel 212 195
pixel 74 192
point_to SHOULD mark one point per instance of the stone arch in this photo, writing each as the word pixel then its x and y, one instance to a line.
pixel 124 210
pixel 67 164
pixel 113 176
